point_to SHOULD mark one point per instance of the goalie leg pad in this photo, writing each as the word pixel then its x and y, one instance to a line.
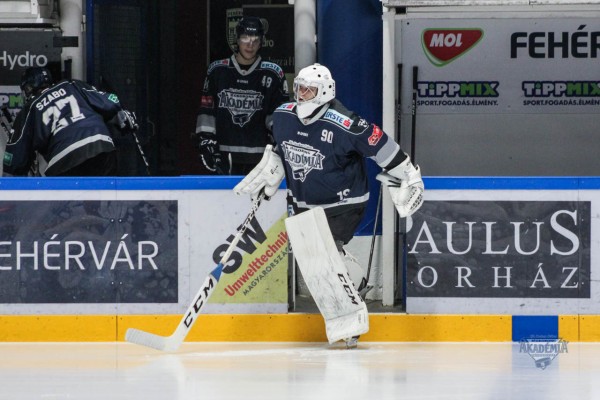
pixel 326 275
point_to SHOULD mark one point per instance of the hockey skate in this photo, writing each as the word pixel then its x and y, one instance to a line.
pixel 352 343
pixel 363 289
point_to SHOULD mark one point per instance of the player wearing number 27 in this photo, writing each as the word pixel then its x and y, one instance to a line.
pixel 65 122
pixel 321 149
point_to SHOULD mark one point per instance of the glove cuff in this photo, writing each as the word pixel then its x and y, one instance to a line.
pixel 406 172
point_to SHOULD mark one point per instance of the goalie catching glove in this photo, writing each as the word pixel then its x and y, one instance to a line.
pixel 406 187
pixel 268 174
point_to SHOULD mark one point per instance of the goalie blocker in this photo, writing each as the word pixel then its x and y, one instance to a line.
pixel 326 276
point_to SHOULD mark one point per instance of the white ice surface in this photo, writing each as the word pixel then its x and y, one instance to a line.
pixel 302 371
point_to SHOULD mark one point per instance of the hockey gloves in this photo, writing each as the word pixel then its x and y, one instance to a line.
pixel 268 174
pixel 406 187
pixel 210 155
pixel 127 121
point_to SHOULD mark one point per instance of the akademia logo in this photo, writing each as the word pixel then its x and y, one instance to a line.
pixel 442 46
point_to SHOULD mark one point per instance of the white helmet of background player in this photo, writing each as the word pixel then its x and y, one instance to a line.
pixel 313 88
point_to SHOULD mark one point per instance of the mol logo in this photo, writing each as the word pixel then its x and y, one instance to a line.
pixel 442 46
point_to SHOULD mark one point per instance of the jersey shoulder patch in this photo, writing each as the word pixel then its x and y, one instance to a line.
pixel 348 120
pixel 219 63
pixel 338 118
pixel 272 66
pixel 287 106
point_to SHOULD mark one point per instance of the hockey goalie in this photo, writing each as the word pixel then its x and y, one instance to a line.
pixel 320 150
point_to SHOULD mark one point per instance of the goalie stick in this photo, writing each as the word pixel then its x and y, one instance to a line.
pixel 379 199
pixel 6 133
pixel 172 343
pixel 6 122
pixel 413 157
pixel 133 133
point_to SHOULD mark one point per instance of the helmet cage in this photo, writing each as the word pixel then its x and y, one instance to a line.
pixel 301 87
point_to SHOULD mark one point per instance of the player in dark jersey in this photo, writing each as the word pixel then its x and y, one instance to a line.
pixel 321 149
pixel 66 124
pixel 238 99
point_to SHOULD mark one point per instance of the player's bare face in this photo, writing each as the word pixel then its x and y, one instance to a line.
pixel 247 49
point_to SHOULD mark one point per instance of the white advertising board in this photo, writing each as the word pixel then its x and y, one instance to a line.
pixel 136 246
pixel 504 65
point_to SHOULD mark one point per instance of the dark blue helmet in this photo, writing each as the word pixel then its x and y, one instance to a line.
pixel 34 80
pixel 251 26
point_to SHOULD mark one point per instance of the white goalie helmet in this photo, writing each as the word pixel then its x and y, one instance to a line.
pixel 316 81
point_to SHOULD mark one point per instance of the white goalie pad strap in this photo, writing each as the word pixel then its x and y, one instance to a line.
pixel 356 272
pixel 268 174
pixel 326 276
pixel 406 187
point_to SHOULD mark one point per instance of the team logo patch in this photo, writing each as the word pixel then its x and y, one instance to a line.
pixel 442 46
pixel 242 104
pixel 375 135
pixel 232 17
pixel 8 157
pixel 302 159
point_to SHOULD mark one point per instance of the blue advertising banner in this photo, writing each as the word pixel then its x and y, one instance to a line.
pixel 89 251
pixel 491 249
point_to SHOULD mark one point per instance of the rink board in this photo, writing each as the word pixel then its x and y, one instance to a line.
pixel 85 246
pixel 435 317
pixel 516 246
pixel 300 327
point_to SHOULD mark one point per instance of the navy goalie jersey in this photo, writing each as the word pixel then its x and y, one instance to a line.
pixel 325 161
